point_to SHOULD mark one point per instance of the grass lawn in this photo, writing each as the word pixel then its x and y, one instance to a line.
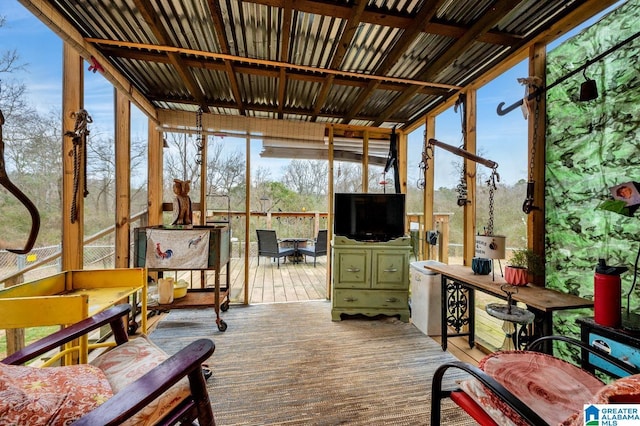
pixel 31 335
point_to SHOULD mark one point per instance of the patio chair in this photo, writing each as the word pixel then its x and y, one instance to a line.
pixel 319 247
pixel 533 388
pixel 269 246
pixel 133 383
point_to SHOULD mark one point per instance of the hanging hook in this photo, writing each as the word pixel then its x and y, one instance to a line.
pixel 542 90
pixel 16 192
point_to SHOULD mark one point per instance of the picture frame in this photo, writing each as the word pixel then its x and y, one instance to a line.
pixel 629 192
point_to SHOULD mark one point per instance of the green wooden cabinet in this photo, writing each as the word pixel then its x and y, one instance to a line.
pixel 370 278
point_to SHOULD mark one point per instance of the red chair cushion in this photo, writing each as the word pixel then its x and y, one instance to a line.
pixel 467 403
pixel 553 388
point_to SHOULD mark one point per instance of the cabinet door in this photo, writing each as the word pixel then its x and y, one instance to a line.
pixel 351 269
pixel 390 269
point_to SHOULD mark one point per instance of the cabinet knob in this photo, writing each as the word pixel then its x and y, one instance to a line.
pixel 350 299
pixel 353 269
pixel 391 269
pixel 392 300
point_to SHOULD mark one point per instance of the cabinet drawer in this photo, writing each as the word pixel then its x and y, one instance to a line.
pixel 370 298
pixel 391 270
pixel 623 352
pixel 352 269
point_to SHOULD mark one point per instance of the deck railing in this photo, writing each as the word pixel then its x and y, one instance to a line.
pixel 46 261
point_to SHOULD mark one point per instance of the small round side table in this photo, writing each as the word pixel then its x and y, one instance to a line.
pixel 512 316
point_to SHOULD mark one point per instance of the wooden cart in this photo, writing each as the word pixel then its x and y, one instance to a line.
pixel 218 257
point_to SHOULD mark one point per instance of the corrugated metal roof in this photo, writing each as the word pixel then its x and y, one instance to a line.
pixel 385 63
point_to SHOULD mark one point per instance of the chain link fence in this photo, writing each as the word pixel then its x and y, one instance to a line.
pixel 95 257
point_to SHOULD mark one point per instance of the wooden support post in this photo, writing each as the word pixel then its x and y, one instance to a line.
pixel 469 220
pixel 72 102
pixel 536 219
pixel 330 213
pixel 247 219
pixel 154 171
pixel 428 195
pixel 365 160
pixel 123 178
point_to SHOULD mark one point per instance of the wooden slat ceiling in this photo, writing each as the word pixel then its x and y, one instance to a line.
pixel 380 63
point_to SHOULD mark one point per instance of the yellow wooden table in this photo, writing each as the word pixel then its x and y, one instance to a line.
pixel 70 296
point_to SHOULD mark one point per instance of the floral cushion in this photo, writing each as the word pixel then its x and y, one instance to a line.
pixel 50 396
pixel 552 388
pixel 622 391
pixel 128 362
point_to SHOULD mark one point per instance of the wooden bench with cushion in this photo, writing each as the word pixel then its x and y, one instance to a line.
pixel 135 383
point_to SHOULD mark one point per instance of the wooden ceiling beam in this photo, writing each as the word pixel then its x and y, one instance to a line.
pixel 217 65
pixel 52 18
pixel 426 12
pixel 378 16
pixel 580 14
pixel 268 63
pixel 350 28
pixel 155 24
pixel 284 55
pixel 266 108
pixel 218 23
pixel 488 20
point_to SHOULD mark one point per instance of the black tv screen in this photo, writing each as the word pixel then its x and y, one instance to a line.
pixel 369 217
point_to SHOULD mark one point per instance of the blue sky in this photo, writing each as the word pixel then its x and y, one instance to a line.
pixel 502 139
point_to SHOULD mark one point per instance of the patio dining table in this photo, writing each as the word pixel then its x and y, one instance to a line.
pixel 296 243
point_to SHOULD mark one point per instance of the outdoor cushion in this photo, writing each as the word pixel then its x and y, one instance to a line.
pixel 128 362
pixel 622 391
pixel 50 396
pixel 551 387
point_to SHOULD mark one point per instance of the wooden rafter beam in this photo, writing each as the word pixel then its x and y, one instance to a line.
pixel 151 18
pixel 218 23
pixel 345 40
pixel 271 72
pixel 488 20
pixel 266 62
pixel 584 11
pixel 426 12
pixel 266 108
pixel 284 55
pixel 52 18
pixel 379 16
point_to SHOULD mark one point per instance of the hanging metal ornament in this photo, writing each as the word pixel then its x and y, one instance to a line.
pixel 462 188
pixel 199 142
pixel 492 183
pixel 427 154
pixel 531 84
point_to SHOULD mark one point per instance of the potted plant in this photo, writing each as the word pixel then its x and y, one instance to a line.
pixel 522 265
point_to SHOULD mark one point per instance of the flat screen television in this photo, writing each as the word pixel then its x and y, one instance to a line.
pixel 369 217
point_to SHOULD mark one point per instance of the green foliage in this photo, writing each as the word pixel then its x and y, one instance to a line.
pixel 527 259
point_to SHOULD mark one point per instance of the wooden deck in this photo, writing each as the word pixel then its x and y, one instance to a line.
pixel 291 282
pixel 294 282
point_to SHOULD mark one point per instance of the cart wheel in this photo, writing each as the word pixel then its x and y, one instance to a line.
pixel 133 327
pixel 222 326
pixel 225 306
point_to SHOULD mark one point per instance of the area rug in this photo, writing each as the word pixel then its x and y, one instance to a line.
pixel 289 364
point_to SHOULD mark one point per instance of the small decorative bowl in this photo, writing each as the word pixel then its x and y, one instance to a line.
pixel 481 266
pixel 180 289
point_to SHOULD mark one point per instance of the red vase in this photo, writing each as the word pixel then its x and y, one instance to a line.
pixel 516 276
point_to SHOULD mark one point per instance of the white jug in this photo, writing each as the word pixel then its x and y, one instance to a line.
pixel 165 291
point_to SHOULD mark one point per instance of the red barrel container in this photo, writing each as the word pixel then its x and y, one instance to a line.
pixel 607 295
